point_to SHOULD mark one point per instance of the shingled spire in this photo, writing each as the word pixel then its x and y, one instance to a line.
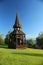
pixel 17 22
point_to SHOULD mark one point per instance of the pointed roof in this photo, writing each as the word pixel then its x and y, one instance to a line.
pixel 17 22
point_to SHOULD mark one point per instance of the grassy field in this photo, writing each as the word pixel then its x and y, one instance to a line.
pixel 21 56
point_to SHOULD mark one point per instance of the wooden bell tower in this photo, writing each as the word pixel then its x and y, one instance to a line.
pixel 17 37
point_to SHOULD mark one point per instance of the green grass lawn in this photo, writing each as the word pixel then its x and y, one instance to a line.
pixel 21 56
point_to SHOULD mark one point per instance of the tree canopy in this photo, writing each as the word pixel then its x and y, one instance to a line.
pixel 7 37
pixel 30 42
pixel 2 41
pixel 39 40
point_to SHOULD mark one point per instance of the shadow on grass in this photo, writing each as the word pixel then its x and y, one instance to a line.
pixel 29 54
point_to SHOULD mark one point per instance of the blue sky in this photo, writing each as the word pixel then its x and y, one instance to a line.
pixel 30 13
